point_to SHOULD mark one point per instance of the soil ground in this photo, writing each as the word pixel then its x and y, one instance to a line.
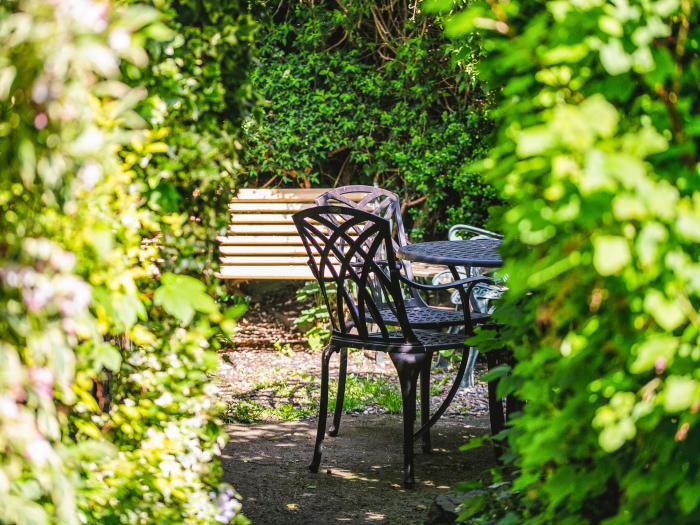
pixel 361 469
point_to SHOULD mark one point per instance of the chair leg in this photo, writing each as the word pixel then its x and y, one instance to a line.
pixel 442 362
pixel 408 366
pixel 468 379
pixel 323 409
pixel 425 402
pixel 513 403
pixel 496 414
pixel 340 398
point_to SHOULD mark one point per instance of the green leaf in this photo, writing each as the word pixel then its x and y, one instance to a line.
pixel 600 114
pixel 495 373
pixel 533 141
pixel 101 239
pixel 611 254
pixel 181 296
pixel 460 24
pixel 614 436
pixel 665 8
pixel 647 141
pixel 7 77
pixel 108 356
pixel 655 350
pixel 667 312
pixel 138 16
pixel 688 497
pixel 681 393
pixel 614 58
pixel 159 31
pixel 436 6
pixel 475 442
pixel 688 224
pixel 611 26
pixel 649 243
pixel 236 311
pixel 127 309
pixel 563 54
pixel 22 510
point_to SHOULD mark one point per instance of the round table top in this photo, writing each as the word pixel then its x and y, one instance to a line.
pixel 470 252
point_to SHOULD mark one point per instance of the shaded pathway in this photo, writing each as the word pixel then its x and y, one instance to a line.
pixel 268 377
pixel 360 477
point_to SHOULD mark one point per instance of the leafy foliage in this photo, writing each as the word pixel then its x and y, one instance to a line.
pixel 199 93
pixel 314 319
pixel 364 92
pixel 82 297
pixel 361 392
pixel 596 154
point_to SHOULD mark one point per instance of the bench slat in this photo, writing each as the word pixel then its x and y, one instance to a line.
pixel 278 194
pixel 266 272
pixel 285 249
pixel 286 195
pixel 263 242
pixel 238 240
pixel 426 270
pixel 261 218
pixel 243 260
pixel 265 229
pixel 293 260
pixel 267 207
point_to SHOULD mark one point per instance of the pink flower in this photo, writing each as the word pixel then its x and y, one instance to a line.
pixel 8 408
pixel 660 365
pixel 41 120
pixel 38 297
pixel 88 13
pixel 38 451
pixel 42 378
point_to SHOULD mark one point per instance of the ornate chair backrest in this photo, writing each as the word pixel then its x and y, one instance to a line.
pixel 382 203
pixel 342 244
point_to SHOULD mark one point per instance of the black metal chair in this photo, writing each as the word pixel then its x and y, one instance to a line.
pixel 386 204
pixel 344 246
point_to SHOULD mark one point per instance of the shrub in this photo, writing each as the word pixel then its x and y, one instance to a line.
pixel 364 92
pixel 199 92
pixel 596 155
pixel 82 298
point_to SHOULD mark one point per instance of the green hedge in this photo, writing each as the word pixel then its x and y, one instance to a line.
pixel 364 92
pixel 82 296
pixel 199 92
pixel 596 155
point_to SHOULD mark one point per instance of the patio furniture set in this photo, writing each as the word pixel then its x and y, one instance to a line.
pixel 355 246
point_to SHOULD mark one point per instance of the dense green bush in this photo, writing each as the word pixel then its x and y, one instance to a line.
pixel 83 297
pixel 596 155
pixel 198 94
pixel 364 92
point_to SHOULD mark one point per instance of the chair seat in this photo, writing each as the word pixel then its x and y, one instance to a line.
pixel 431 317
pixel 428 341
pixel 433 340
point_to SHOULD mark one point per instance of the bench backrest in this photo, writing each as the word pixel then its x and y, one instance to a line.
pixel 262 241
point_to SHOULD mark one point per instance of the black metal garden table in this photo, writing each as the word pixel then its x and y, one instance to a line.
pixel 469 253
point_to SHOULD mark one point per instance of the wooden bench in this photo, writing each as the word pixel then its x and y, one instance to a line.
pixel 262 241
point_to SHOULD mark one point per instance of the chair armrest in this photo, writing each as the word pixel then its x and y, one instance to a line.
pixel 446 276
pixel 469 281
pixel 473 230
